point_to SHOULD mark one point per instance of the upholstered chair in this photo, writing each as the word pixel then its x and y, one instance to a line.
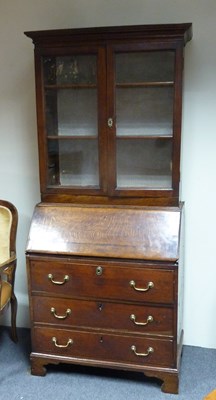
pixel 8 230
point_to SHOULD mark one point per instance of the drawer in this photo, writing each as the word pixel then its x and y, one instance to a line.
pixel 104 281
pixel 103 315
pixel 104 347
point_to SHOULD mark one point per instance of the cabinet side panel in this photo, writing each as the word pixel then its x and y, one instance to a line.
pixel 181 279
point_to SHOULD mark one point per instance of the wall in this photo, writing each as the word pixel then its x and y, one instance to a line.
pixel 19 181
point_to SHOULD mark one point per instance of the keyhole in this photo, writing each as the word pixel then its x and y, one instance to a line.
pixel 110 122
pixel 99 271
pixel 100 307
pixel 101 339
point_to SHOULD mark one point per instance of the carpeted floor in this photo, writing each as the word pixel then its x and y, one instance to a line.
pixel 198 377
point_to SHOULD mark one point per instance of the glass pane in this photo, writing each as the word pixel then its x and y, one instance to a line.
pixel 71 112
pixel 144 111
pixel 73 162
pixel 148 66
pixel 144 163
pixel 70 69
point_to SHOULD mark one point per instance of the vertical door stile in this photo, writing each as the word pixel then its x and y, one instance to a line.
pixel 102 137
pixel 42 140
pixel 111 120
pixel 177 115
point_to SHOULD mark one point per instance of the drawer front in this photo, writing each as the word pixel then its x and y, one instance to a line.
pixel 103 347
pixel 104 281
pixel 102 315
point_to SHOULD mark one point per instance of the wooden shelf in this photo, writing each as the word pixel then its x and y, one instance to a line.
pixel 131 137
pixel 71 86
pixel 71 137
pixel 144 84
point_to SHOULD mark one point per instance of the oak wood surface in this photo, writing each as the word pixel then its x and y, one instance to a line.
pixel 114 281
pixel 103 346
pixel 105 43
pixel 103 315
pixel 120 232
pixel 88 243
pixel 161 31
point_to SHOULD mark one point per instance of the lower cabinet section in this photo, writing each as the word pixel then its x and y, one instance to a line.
pixel 104 311
pixel 104 347
pixel 112 314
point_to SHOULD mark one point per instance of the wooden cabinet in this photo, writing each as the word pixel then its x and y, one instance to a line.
pixel 109 113
pixel 106 295
pixel 103 254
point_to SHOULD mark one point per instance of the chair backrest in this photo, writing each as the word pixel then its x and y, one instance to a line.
pixel 8 227
pixel 5 229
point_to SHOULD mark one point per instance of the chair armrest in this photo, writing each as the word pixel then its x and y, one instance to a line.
pixel 8 262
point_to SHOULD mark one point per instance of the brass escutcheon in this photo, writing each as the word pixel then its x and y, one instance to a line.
pixel 110 122
pixel 99 270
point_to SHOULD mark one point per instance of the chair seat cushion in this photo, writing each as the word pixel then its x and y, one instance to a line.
pixel 6 290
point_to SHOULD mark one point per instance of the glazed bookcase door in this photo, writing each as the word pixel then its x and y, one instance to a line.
pixel 146 110
pixel 71 130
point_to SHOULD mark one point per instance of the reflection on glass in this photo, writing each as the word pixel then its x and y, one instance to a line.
pixel 73 162
pixel 148 66
pixel 144 111
pixel 144 163
pixel 70 69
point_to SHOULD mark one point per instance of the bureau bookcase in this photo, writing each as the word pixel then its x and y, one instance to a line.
pixel 103 255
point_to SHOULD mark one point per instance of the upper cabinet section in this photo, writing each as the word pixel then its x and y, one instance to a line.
pixel 109 113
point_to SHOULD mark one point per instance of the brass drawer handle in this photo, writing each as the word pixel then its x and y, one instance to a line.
pixel 150 285
pixel 66 278
pixel 149 351
pixel 69 342
pixel 67 313
pixel 149 319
